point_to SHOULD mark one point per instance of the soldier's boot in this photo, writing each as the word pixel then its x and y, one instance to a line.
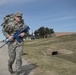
pixel 10 69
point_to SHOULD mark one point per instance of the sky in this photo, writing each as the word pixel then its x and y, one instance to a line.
pixel 60 15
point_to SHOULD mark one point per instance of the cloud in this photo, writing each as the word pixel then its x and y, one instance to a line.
pixel 61 19
pixel 4 2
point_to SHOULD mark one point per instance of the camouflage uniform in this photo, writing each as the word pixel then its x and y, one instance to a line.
pixel 15 49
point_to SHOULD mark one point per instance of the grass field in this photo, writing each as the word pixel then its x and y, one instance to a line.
pixel 39 52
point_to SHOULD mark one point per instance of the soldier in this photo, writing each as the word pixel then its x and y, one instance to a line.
pixel 15 49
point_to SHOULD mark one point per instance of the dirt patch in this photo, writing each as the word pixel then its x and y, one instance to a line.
pixel 65 51
pixel 62 51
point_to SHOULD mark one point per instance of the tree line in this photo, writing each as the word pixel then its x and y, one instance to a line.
pixel 43 32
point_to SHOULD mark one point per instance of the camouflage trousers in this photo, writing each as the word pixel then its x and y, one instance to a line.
pixel 15 52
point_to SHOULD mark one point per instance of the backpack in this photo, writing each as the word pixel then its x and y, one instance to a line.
pixel 7 19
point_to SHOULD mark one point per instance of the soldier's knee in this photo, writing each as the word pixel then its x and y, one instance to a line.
pixel 11 61
pixel 18 61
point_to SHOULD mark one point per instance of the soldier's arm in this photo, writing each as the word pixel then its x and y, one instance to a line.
pixel 7 29
pixel 5 33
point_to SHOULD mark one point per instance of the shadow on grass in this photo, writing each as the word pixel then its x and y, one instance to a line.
pixel 26 69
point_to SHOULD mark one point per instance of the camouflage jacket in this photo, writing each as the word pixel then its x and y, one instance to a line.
pixel 12 27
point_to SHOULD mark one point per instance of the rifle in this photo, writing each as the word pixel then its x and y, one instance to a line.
pixel 16 35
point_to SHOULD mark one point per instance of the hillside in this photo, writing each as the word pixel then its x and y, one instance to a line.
pixel 39 52
pixel 64 33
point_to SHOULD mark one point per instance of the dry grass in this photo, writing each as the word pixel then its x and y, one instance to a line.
pixel 40 52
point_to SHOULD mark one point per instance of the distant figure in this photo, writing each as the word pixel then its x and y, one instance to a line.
pixel 15 49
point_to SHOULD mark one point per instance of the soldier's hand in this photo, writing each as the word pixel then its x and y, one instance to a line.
pixel 10 38
pixel 22 34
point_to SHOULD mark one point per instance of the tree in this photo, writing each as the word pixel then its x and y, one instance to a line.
pixel 42 32
pixel 36 33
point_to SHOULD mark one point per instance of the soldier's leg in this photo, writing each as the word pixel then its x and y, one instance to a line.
pixel 19 51
pixel 12 55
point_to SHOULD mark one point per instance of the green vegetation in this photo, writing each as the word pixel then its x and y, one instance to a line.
pixel 40 52
pixel 43 32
